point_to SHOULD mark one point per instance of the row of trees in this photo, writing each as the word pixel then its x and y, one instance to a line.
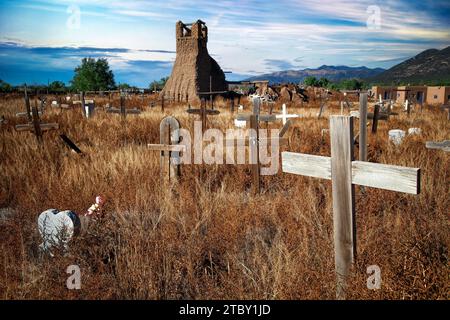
pixel 348 84
pixel 90 75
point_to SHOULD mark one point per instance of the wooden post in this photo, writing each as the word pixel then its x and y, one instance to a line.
pixel 36 123
pixel 408 107
pixel 27 105
pixel 363 127
pixel 254 150
pixel 122 106
pixel 376 112
pixel 83 107
pixel 162 103
pixel 343 198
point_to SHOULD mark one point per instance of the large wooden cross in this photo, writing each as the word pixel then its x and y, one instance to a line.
pixel 169 148
pixel 36 126
pixel 255 140
pixel 345 173
pixel 203 112
pixel 123 111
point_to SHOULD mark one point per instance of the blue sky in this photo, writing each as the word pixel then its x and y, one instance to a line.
pixel 44 40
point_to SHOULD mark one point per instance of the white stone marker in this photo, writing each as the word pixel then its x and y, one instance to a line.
pixel 396 136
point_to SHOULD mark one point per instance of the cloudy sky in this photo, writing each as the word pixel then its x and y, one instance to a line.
pixel 45 40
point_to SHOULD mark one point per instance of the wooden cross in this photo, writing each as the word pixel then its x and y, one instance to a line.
pixel 28 114
pixel 345 173
pixel 123 110
pixel 36 126
pixel 284 115
pixel 169 148
pixel 255 141
pixel 323 100
pixel 443 145
pixel 203 112
pixel 87 106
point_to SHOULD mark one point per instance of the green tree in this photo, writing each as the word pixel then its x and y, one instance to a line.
pixel 93 75
pixel 310 81
pixel 57 87
pixel 5 87
pixel 323 82
pixel 351 84
pixel 159 85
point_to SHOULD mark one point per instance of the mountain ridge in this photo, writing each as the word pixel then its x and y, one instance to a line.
pixel 332 73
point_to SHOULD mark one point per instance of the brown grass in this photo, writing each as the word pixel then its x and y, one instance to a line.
pixel 210 239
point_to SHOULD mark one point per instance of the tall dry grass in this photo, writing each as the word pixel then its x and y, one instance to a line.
pixel 210 238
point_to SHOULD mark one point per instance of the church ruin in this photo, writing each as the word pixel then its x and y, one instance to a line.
pixel 194 71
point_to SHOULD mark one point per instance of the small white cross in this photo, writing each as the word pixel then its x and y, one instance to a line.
pixel 284 116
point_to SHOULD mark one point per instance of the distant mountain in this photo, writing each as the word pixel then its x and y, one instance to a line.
pixel 431 66
pixel 332 73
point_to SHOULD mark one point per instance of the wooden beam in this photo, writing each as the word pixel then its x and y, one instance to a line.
pixel 341 131
pixel 443 145
pixel 306 165
pixel 166 147
pixel 43 126
pixel 385 176
pixel 262 117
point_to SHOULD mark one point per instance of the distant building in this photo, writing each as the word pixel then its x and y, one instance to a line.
pixel 411 93
pixel 418 94
pixel 438 95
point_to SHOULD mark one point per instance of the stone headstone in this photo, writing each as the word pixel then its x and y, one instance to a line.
pixel 396 136
pixel 57 228
pixel 354 114
pixel 240 123
pixel 417 131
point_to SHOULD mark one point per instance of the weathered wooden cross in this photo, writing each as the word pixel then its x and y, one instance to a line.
pixel 323 101
pixel 203 112
pixel 255 140
pixel 36 126
pixel 345 173
pixel 28 114
pixel 123 110
pixel 169 148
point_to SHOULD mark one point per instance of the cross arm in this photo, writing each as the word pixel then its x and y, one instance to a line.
pixel 44 127
pixel 167 147
pixel 369 174
pixel 263 117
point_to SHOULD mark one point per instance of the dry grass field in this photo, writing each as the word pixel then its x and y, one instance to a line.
pixel 210 238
